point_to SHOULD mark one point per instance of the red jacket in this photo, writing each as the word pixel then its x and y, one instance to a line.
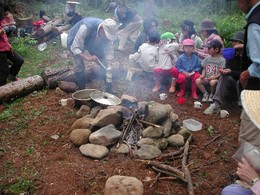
pixel 4 43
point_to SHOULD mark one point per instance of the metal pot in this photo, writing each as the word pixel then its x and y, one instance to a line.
pixel 82 97
pixel 105 98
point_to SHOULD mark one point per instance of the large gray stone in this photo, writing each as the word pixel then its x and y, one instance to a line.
pixel 152 132
pixel 157 111
pixel 148 152
pixel 83 111
pixel 105 136
pixel 82 123
pixel 106 117
pixel 80 136
pixel 94 151
pixel 176 140
pixel 123 185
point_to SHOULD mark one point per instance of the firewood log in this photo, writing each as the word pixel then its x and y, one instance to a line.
pixel 59 29
pixel 52 76
pixel 20 88
pixel 48 27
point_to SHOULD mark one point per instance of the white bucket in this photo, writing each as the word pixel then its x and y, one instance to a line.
pixel 63 38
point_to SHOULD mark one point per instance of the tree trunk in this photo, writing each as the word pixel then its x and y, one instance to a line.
pixel 48 27
pixel 59 29
pixel 20 88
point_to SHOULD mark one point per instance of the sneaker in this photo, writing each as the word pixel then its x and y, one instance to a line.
pixel 212 109
pixel 205 97
pixel 210 99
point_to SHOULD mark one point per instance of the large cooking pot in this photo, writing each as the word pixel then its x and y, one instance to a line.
pixel 82 97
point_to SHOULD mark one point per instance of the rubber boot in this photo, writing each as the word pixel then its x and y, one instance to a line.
pixel 173 86
pixel 194 91
pixel 80 80
pixel 182 90
pixel 158 83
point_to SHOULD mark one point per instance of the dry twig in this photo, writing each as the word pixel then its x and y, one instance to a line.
pixel 156 179
pixel 185 168
pixel 215 138
pixel 178 173
pixel 171 154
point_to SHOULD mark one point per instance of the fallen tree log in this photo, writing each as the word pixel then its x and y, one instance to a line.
pixel 20 88
pixel 52 76
pixel 48 27
pixel 59 29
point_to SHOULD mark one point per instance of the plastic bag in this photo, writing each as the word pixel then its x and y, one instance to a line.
pixel 250 153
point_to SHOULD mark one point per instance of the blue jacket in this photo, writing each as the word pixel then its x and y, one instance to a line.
pixel 188 64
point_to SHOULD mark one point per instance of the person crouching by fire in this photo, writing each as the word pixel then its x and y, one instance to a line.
pixel 91 39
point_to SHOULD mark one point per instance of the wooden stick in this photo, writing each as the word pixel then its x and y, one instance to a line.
pixel 215 138
pixel 167 168
pixel 165 172
pixel 160 178
pixel 185 168
pixel 171 154
pixel 156 179
pixel 150 124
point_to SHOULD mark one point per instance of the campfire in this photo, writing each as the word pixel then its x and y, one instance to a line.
pixel 143 130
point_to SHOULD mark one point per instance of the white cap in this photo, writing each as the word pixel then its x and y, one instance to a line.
pixel 110 27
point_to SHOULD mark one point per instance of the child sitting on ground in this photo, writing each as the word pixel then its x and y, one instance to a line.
pixel 189 67
pixel 8 22
pixel 211 65
pixel 147 55
pixel 168 51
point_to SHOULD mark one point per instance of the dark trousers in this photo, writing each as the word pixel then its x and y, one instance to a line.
pixel 226 89
pixel 7 68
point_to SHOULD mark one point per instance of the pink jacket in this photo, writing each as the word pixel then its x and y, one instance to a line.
pixel 4 43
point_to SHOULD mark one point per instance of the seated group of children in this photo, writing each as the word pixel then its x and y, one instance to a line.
pixel 161 56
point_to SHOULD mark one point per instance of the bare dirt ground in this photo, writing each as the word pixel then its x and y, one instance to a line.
pixel 42 165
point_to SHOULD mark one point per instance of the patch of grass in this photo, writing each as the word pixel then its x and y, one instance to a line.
pixel 224 155
pixel 6 114
pixel 210 131
pixel 21 186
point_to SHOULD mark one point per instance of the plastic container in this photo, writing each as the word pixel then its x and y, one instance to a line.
pixel 63 39
pixel 228 53
pixel 192 124
pixel 42 46
pixel 250 152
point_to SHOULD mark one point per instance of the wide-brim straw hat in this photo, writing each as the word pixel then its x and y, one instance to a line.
pixel 73 2
pixel 250 100
pixel 110 27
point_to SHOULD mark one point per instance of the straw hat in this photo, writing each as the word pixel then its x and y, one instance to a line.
pixel 110 27
pixel 251 103
pixel 73 2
